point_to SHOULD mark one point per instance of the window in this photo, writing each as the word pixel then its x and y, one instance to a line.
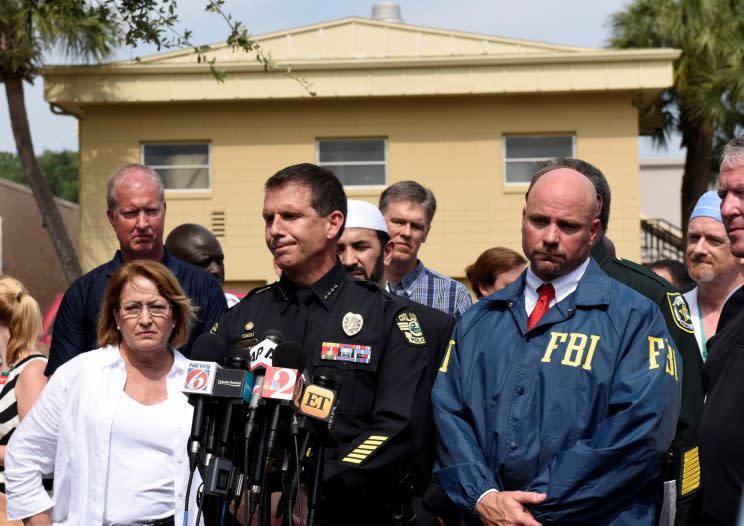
pixel 357 162
pixel 523 154
pixel 182 166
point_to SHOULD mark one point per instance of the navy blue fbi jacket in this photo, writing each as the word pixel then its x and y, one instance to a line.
pixel 583 407
pixel 75 325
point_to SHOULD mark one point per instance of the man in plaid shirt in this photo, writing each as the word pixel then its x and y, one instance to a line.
pixel 409 209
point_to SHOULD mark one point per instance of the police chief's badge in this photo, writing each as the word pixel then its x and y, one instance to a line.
pixel 409 325
pixel 352 323
pixel 249 326
pixel 680 311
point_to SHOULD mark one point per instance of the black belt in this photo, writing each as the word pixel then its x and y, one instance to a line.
pixel 168 521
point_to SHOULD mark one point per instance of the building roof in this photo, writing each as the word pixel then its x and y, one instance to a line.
pixel 359 57
pixel 370 39
pixel 8 186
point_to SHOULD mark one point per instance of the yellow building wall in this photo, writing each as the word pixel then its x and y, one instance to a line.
pixel 451 144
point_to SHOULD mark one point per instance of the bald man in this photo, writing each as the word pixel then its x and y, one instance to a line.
pixel 197 245
pixel 559 394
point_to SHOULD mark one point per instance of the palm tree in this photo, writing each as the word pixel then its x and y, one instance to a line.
pixel 89 31
pixel 28 28
pixel 705 102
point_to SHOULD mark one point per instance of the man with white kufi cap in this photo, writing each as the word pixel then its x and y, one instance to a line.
pixel 361 246
pixel 364 248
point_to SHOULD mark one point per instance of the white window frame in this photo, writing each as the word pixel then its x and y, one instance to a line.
pixel 330 165
pixel 530 159
pixel 160 166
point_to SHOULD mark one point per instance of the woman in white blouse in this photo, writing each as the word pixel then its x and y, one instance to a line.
pixel 112 423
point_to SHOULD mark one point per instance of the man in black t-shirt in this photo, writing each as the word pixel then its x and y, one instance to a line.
pixel 721 430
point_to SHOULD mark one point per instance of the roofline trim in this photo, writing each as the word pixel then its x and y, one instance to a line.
pixel 610 56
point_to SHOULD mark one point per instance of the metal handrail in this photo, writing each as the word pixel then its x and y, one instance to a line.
pixel 660 239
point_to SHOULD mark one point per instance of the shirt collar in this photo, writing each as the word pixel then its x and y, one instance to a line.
pixel 325 289
pixel 118 261
pixel 563 285
pixel 410 279
pixel 113 359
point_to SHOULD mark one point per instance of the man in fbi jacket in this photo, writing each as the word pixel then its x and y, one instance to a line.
pixel 559 394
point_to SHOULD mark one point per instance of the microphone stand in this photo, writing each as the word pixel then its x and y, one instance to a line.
pixel 314 495
pixel 291 476
pixel 285 502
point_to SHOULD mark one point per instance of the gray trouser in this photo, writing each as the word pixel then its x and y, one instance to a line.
pixel 669 507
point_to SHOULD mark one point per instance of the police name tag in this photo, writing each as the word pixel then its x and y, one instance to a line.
pixel 346 352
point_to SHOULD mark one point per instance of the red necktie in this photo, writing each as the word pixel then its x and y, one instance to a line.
pixel 547 293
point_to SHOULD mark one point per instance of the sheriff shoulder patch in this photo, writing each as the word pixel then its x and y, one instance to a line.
pixel 409 325
pixel 680 312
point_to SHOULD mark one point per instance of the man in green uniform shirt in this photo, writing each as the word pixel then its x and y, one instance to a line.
pixel 682 465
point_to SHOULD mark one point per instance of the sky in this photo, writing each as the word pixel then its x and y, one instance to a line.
pixel 572 22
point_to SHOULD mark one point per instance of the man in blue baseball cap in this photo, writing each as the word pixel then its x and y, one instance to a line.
pixel 711 265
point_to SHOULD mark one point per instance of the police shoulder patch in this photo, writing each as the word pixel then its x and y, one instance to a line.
pixel 411 328
pixel 680 311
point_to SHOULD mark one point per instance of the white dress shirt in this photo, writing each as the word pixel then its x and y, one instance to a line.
pixel 68 431
pixel 563 286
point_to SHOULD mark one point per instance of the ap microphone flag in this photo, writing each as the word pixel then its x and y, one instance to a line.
pixel 262 354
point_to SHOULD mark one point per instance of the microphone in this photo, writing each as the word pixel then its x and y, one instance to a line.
pixel 319 403
pixel 282 386
pixel 262 353
pixel 261 358
pixel 199 385
pixel 317 411
pixel 231 383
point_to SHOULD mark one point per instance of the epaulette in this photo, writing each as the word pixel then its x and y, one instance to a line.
pixel 368 284
pixel 259 290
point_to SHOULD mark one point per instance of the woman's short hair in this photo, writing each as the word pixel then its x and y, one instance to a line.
pixel 489 265
pixel 20 312
pixel 168 287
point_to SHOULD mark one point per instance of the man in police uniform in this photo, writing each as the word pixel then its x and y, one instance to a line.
pixel 560 394
pixel 364 248
pixel 682 471
pixel 373 341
